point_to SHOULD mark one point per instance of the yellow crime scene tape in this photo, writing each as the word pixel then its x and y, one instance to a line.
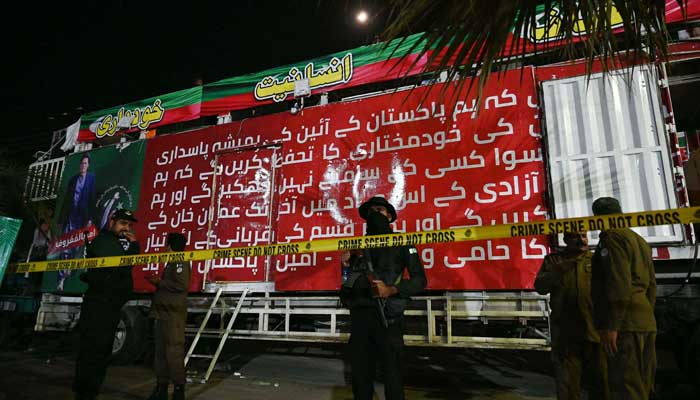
pixel 545 227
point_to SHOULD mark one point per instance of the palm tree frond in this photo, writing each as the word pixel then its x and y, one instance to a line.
pixel 472 37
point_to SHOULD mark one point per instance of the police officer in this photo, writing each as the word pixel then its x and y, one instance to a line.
pixel 169 309
pixel 566 277
pixel 108 290
pixel 624 294
pixel 376 293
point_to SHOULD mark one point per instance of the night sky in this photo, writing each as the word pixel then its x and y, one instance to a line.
pixel 61 57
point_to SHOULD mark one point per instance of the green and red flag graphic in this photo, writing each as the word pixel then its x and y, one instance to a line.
pixel 366 64
pixel 183 105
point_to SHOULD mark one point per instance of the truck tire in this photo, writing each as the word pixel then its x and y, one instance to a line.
pixel 130 338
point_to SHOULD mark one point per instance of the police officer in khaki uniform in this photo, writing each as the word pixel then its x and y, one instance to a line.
pixel 624 294
pixel 566 277
pixel 169 309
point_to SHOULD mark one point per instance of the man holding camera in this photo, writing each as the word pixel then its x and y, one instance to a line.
pixel 376 293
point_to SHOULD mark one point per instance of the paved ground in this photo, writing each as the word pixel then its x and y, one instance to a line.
pixel 265 370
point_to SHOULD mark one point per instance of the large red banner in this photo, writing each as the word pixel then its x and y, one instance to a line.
pixel 289 177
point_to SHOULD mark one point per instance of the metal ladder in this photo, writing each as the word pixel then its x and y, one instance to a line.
pixel 224 336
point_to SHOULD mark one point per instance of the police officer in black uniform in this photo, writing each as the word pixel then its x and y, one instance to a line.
pixel 108 290
pixel 376 293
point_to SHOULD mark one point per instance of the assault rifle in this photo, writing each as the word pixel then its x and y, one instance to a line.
pixel 362 267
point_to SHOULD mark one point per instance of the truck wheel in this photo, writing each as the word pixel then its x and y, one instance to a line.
pixel 130 338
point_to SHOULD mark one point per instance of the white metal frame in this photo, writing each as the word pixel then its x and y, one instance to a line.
pixel 440 310
pixel 641 83
pixel 209 286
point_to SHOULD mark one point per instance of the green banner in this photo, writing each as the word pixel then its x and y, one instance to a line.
pixel 359 66
pixel 166 109
pixel 94 185
pixel 9 228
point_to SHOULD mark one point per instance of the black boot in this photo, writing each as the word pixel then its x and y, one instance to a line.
pixel 179 392
pixel 160 392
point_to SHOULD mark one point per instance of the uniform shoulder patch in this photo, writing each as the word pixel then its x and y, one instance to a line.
pixel 412 250
pixel 604 252
pixel 179 269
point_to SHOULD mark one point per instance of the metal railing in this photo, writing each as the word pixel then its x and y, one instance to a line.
pixel 514 320
pixel 44 179
pixel 505 320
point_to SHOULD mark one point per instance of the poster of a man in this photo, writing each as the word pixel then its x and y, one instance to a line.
pixel 78 210
pixel 92 187
pixel 80 198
